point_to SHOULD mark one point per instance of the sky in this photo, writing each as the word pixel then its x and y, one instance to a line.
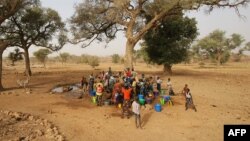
pixel 224 19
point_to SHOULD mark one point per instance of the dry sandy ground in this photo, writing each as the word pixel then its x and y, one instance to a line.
pixel 221 96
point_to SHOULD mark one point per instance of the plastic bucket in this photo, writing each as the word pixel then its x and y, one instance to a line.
pixel 142 101
pixel 92 93
pixel 94 99
pixel 162 101
pixel 157 107
pixel 140 96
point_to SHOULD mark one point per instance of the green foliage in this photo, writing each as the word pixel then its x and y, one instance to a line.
pixel 64 57
pixel 115 58
pixel 93 61
pixel 217 46
pixel 41 55
pixel 35 26
pixel 16 55
pixel 168 44
pixel 247 46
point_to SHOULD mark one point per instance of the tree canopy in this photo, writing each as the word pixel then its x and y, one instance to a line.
pixel 42 55
pixel 102 19
pixel 217 46
pixel 34 26
pixel 168 44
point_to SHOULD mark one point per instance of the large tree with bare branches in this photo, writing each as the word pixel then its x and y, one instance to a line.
pixel 102 19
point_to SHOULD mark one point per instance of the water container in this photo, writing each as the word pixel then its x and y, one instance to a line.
pixel 92 93
pixel 157 107
pixel 140 96
pixel 94 99
pixel 142 101
pixel 162 101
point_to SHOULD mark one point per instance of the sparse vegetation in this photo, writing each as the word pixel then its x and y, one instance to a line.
pixel 42 55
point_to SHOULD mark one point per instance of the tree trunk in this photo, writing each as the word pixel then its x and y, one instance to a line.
pixel 129 54
pixel 2 48
pixel 167 69
pixel 27 62
pixel 219 59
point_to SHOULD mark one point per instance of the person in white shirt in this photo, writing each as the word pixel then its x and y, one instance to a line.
pixel 136 111
pixel 189 100
pixel 158 82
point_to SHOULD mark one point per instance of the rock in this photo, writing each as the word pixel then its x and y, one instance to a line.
pixel 49 131
pixel 16 114
pixel 39 132
pixel 31 117
pixel 7 112
pixel 48 125
pixel 9 93
pixel 59 138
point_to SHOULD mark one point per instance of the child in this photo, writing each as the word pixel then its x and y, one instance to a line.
pixel 84 84
pixel 136 111
pixel 126 102
pixel 184 91
pixel 189 100
pixel 170 88
pixel 158 82
pixel 99 91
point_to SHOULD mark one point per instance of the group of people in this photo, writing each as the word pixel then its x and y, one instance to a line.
pixel 123 88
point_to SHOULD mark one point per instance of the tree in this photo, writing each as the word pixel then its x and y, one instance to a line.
pixel 168 44
pixel 42 55
pixel 218 47
pixel 93 61
pixel 16 55
pixel 247 46
pixel 7 9
pixel 115 58
pixel 34 26
pixel 64 57
pixel 102 19
pixel 136 56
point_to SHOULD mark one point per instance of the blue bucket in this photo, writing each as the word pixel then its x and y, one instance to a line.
pixel 92 93
pixel 158 107
pixel 140 96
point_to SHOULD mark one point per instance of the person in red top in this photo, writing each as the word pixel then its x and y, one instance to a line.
pixel 127 91
pixel 116 90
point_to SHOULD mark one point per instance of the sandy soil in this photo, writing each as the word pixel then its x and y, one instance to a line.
pixel 221 96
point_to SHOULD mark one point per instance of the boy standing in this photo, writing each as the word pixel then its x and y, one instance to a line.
pixel 136 111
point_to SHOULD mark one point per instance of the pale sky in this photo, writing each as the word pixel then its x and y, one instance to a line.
pixel 223 19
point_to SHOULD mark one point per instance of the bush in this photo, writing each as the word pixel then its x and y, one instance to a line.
pixel 115 58
pixel 93 61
